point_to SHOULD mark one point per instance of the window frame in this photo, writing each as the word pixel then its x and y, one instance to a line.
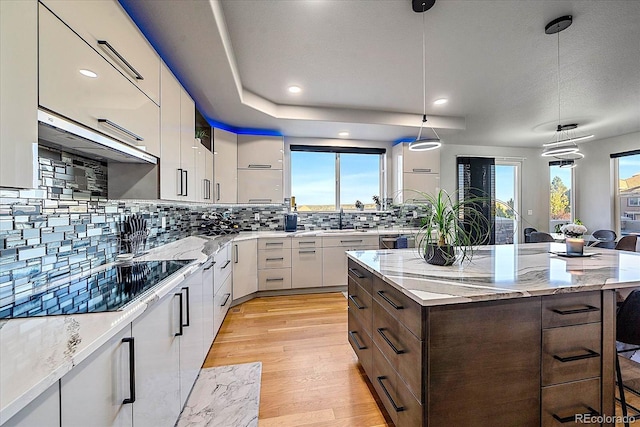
pixel 572 199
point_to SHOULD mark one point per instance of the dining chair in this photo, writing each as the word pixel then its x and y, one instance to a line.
pixel 627 243
pixel 527 234
pixel 540 236
pixel 627 332
pixel 605 239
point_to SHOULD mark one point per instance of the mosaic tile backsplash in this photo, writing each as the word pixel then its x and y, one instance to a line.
pixel 67 226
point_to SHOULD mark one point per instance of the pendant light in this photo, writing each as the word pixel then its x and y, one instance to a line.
pixel 563 146
pixel 420 143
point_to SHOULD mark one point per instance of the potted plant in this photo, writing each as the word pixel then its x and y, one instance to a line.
pixel 359 205
pixel 451 228
pixel 377 201
pixel 201 134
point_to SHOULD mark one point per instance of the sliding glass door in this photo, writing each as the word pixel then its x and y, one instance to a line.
pixel 507 203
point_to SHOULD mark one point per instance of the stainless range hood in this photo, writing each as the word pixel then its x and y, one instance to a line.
pixel 60 133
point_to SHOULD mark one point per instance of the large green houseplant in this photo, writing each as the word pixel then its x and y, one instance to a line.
pixel 452 227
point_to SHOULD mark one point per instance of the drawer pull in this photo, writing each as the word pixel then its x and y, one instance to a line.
pixel 307 243
pixel 274 243
pixel 121 129
pixel 225 264
pixel 418 170
pixel 357 273
pixel 384 389
pixel 586 309
pixel 310 251
pixel 588 355
pixel 358 306
pixel 572 418
pixel 386 298
pixel 280 279
pixel 384 337
pixel 351 241
pixel 106 44
pixel 259 200
pixel 275 259
pixel 225 300
pixel 259 166
pixel 352 334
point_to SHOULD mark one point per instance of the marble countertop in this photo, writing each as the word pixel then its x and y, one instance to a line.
pixel 502 271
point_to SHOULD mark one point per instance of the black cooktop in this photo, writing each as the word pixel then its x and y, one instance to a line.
pixel 107 290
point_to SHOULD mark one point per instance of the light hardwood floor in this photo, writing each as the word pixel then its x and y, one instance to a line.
pixel 310 375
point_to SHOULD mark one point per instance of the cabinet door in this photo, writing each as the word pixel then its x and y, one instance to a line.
pixel 170 137
pixel 187 144
pixel 157 359
pixel 416 183
pixel 334 266
pixel 208 309
pixel 94 391
pixel 191 342
pixel 208 176
pixel 420 161
pixel 110 104
pixel 201 173
pixel 221 303
pixel 225 168
pixel 19 88
pixel 107 21
pixel 43 411
pixel 245 270
pixel 306 267
pixel 259 186
pixel 260 152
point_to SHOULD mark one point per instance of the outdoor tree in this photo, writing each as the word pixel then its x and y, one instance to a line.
pixel 559 199
pixel 505 210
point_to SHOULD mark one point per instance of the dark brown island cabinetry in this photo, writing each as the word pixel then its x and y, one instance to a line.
pixel 534 361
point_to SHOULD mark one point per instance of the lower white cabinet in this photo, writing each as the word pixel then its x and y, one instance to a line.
pixel 334 259
pixel 208 311
pixel 245 273
pixel 306 267
pixel 222 302
pixel 43 411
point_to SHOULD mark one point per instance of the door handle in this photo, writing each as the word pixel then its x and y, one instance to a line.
pixel 121 129
pixel 225 300
pixel 180 330
pixel 106 44
pixel 188 303
pixel 132 371
pixel 218 191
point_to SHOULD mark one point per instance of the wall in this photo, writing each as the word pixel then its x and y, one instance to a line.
pixel 594 175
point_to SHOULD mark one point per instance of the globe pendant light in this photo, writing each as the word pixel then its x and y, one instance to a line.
pixel 564 146
pixel 424 144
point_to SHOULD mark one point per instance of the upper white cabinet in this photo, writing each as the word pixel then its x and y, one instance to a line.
pixel 107 28
pixel 260 152
pixel 187 144
pixel 204 174
pixel 19 89
pixel 225 154
pixel 415 172
pixel 260 186
pixel 108 103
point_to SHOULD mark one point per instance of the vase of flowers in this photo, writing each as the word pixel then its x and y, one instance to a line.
pixel 573 233
pixel 359 205
pixel 575 229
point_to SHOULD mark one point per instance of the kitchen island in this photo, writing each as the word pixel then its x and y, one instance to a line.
pixel 518 336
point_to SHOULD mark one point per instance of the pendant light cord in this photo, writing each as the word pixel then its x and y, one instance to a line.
pixel 558 131
pixel 424 77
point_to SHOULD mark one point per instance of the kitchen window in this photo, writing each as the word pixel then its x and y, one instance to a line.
pixel 560 196
pixel 331 178
pixel 627 167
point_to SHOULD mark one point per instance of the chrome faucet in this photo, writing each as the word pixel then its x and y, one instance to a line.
pixel 340 219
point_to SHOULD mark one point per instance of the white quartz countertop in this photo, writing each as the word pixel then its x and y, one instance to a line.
pixel 502 271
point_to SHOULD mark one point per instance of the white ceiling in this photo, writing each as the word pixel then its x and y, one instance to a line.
pixel 359 63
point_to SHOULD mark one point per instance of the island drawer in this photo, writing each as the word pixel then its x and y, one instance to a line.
pixel 361 342
pixel 274 278
pixel 361 303
pixel 402 407
pixel 401 307
pixel 401 348
pixel 561 403
pixel 571 353
pixel 360 275
pixel 571 309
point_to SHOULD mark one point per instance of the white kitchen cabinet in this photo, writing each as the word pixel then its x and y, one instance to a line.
pixel 110 103
pixel 19 88
pixel 306 267
pixel 274 257
pixel 274 279
pixel 334 259
pixel 225 153
pixel 260 152
pixel 93 393
pixel 191 340
pixel 222 302
pixel 417 184
pixel 260 186
pixel 43 411
pixel 223 266
pixel 208 309
pixel 414 172
pixel 245 270
pixel 204 174
pixel 107 28
pixel 187 144
pixel 420 161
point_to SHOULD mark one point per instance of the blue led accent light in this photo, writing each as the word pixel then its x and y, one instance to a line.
pixel 401 140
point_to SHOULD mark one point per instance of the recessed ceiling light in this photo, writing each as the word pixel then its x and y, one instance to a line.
pixel 343 133
pixel 295 89
pixel 88 73
pixel 440 101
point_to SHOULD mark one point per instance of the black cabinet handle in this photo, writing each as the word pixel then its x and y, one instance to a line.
pixel 386 298
pixel 218 191
pixel 358 306
pixel 384 337
pixel 352 334
pixel 275 259
pixel 209 266
pixel 225 264
pixel 588 355
pixel 384 389
pixel 237 256
pixel 132 371
pixel 274 244
pixel 179 182
pixel 572 418
pixel 121 129
pixel 586 309
pixel 279 279
pixel 259 166
pixel 351 241
pixel 180 331
pixel 419 170
pixel 106 44
pixel 310 251
pixel 225 300
pixel 357 273
pixel 188 304
pixel 185 184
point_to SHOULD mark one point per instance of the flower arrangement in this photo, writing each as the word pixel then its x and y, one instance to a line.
pixel 574 229
pixel 359 205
